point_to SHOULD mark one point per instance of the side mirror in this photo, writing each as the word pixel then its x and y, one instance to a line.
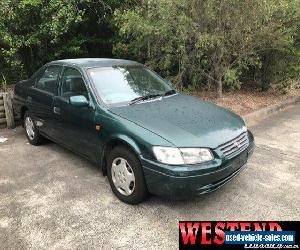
pixel 79 101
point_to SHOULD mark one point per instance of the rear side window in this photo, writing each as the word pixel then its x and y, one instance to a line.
pixel 48 80
pixel 73 84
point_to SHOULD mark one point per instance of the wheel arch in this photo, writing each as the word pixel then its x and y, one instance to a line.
pixel 120 140
pixel 22 113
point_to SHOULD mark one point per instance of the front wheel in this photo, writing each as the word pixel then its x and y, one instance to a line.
pixel 125 176
pixel 32 132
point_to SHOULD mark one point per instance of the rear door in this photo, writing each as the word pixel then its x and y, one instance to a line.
pixel 40 98
pixel 76 124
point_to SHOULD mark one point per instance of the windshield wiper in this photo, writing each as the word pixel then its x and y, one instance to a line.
pixel 151 96
pixel 144 98
pixel 170 92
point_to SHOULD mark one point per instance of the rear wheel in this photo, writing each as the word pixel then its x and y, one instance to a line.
pixel 32 132
pixel 125 176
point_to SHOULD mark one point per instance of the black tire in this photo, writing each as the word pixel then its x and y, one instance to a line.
pixel 36 139
pixel 140 190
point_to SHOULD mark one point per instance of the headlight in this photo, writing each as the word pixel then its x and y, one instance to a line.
pixel 180 156
pixel 196 155
pixel 168 155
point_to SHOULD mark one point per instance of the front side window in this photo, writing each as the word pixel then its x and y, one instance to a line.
pixel 122 84
pixel 73 84
pixel 48 81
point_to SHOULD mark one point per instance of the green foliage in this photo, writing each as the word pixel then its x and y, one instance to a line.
pixel 208 43
pixel 231 79
pixel 33 32
pixel 196 44
pixel 30 29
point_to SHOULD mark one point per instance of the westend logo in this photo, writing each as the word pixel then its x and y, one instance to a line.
pixel 237 235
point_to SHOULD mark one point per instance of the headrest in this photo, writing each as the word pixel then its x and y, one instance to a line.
pixel 77 85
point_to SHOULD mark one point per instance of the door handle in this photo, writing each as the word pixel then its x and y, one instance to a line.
pixel 56 110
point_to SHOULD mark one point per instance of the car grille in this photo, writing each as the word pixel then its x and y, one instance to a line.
pixel 235 146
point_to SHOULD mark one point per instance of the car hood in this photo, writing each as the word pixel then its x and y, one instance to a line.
pixel 185 121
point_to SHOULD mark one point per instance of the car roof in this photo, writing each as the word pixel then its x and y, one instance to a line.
pixel 95 62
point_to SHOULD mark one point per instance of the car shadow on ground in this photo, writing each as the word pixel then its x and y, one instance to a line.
pixel 171 202
pixel 81 179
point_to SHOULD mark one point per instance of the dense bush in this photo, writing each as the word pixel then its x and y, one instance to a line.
pixel 216 44
pixel 212 42
pixel 33 32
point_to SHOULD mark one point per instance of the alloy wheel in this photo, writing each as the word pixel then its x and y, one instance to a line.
pixel 29 126
pixel 123 176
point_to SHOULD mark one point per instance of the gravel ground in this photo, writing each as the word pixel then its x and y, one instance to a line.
pixel 54 199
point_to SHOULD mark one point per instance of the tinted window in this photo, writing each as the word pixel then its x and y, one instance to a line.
pixel 73 84
pixel 48 81
pixel 122 84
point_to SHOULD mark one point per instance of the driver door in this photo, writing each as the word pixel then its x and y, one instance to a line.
pixel 76 124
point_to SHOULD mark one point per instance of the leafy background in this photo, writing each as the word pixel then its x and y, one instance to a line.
pixel 217 45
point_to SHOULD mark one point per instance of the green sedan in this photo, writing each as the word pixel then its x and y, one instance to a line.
pixel 145 136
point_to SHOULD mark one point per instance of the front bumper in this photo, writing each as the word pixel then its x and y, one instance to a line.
pixel 192 180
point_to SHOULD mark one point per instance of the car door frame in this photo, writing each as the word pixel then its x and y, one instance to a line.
pixel 61 120
pixel 84 78
pixel 44 122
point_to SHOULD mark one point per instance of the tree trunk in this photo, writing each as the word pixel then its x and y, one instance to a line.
pixel 265 81
pixel 144 4
pixel 220 87
pixel 218 77
pixel 9 114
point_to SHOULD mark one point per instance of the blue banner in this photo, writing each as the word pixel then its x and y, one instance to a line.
pixel 260 237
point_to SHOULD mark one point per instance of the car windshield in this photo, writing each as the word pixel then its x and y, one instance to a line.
pixel 123 84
